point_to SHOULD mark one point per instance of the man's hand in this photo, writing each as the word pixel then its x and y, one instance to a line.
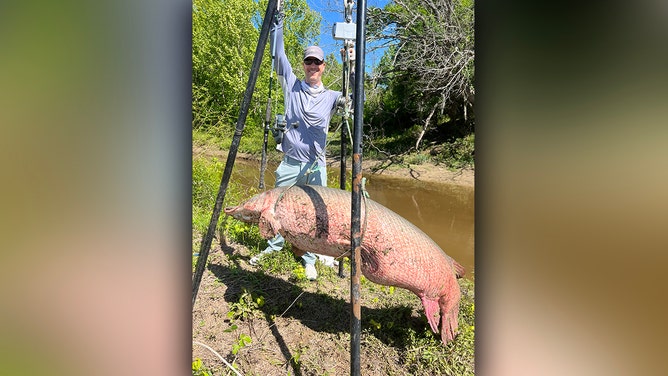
pixel 279 128
pixel 278 16
pixel 351 54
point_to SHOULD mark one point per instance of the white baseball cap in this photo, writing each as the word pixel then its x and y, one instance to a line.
pixel 314 51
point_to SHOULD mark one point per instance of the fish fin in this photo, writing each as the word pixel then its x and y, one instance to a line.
pixel 460 271
pixel 449 304
pixel 432 312
pixel 449 324
pixel 268 224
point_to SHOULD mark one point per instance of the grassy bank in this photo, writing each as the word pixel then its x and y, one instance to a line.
pixel 271 320
pixel 454 154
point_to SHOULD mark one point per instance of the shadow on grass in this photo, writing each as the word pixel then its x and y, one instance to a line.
pixel 318 311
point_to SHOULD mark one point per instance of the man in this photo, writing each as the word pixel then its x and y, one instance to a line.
pixel 309 107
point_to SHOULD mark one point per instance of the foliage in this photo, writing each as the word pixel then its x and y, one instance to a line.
pixel 457 154
pixel 421 92
pixel 283 262
pixel 199 369
pixel 242 341
pixel 430 60
pixel 224 40
pixel 206 176
pixel 247 306
pixel 222 49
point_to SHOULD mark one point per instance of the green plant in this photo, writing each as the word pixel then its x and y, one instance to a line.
pixel 199 369
pixel 458 153
pixel 206 175
pixel 418 158
pixel 297 354
pixel 298 274
pixel 246 307
pixel 222 56
pixel 244 233
pixel 280 262
pixel 243 340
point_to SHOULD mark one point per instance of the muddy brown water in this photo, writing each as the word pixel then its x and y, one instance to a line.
pixel 445 212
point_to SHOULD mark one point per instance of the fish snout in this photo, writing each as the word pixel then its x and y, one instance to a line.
pixel 242 214
pixel 234 211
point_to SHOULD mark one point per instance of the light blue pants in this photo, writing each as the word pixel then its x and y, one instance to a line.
pixel 288 172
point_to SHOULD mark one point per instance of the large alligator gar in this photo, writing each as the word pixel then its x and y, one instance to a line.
pixel 393 252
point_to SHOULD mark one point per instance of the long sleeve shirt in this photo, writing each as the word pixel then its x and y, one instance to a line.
pixel 307 111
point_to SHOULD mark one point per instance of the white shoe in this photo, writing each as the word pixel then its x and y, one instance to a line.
pixel 311 273
pixel 328 261
pixel 254 260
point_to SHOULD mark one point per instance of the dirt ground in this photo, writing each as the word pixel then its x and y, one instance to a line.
pixel 299 327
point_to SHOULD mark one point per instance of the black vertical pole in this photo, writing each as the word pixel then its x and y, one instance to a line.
pixel 355 293
pixel 231 156
pixel 342 176
pixel 344 143
pixel 345 87
pixel 345 57
pixel 267 116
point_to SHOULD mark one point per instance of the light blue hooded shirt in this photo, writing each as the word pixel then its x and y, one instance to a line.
pixel 311 108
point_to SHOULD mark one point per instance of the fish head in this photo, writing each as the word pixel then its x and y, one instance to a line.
pixel 251 210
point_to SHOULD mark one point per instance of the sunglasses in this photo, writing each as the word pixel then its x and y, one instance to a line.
pixel 313 61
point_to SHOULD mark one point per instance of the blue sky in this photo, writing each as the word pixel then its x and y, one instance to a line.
pixel 332 12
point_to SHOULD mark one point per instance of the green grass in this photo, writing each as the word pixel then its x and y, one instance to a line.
pixel 458 153
pixel 206 175
pixel 250 143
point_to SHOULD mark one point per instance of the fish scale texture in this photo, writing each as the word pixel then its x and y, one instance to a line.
pixel 394 251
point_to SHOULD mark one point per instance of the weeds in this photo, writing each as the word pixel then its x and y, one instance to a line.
pixel 296 355
pixel 457 154
pixel 206 177
pixel 243 233
pixel 246 308
pixel 242 341
pixel 199 369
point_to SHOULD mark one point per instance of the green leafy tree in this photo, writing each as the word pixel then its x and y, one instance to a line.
pixel 425 80
pixel 223 47
pixel 224 39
